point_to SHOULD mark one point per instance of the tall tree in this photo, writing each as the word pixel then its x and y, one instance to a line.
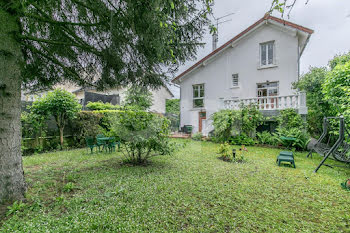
pixel 139 97
pixel 60 104
pixel 45 42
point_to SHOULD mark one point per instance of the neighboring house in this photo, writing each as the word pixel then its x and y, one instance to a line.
pixel 113 96
pixel 258 66
pixel 117 96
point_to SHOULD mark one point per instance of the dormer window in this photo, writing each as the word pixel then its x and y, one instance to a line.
pixel 267 53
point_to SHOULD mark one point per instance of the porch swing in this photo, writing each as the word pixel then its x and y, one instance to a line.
pixel 339 150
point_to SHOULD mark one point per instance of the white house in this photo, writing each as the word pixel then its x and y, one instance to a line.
pixel 159 96
pixel 258 66
pixel 117 95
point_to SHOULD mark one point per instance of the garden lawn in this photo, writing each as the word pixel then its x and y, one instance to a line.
pixel 191 191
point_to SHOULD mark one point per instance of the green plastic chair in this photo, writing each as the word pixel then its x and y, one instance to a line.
pixel 286 156
pixel 90 144
pixel 102 143
pixel 112 144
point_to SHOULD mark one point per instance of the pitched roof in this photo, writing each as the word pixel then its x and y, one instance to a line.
pixel 266 17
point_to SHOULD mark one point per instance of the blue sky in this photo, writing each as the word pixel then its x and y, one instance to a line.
pixel 329 18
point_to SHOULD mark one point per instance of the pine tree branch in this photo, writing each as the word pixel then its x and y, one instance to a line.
pixel 32 38
pixel 56 62
pixel 51 21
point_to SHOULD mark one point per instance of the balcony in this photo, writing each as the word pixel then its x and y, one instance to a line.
pixel 272 103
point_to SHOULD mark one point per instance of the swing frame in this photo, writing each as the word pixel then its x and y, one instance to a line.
pixel 323 150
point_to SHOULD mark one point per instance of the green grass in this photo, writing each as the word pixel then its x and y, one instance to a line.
pixel 191 191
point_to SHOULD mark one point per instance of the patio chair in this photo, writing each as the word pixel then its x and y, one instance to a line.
pixel 90 144
pixel 101 143
pixel 112 144
pixel 286 156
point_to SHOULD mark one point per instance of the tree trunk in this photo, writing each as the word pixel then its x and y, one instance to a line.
pixel 12 184
pixel 61 136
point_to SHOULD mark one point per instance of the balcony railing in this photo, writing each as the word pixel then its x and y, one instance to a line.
pixel 297 101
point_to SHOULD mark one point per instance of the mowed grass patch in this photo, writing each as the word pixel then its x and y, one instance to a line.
pixel 191 191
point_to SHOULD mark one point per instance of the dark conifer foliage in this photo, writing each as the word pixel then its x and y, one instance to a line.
pixel 107 42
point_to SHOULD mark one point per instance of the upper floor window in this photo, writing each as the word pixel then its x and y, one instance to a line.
pixel 235 80
pixel 267 53
pixel 198 96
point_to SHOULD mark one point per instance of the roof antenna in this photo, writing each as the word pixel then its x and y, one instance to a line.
pixel 216 33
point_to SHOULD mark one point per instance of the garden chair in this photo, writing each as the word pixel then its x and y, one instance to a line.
pixel 286 156
pixel 90 144
pixel 112 144
pixel 102 143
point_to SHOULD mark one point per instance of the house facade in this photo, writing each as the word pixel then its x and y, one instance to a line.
pixel 114 96
pixel 159 97
pixel 257 66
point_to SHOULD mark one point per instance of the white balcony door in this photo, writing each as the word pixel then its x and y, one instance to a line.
pixel 267 95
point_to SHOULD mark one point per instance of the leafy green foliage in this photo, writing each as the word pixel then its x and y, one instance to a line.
pixel 302 138
pixel 241 122
pixel 172 106
pixel 323 92
pixel 242 139
pixel 32 125
pixel 225 152
pixel 102 106
pixel 86 124
pixel 232 155
pixel 266 138
pixel 139 97
pixel 339 60
pixel 69 187
pixel 60 43
pixel 289 118
pixel 17 206
pixel 60 104
pixel 197 136
pixel 143 135
pixel 336 89
pixel 293 126
pixel 318 107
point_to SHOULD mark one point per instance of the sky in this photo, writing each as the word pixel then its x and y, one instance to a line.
pixel 330 19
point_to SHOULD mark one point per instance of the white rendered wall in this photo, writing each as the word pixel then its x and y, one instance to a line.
pixel 244 59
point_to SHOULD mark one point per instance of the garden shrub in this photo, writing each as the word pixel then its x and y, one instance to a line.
pixel 60 104
pixel 143 135
pixel 336 89
pixel 226 153
pixel 290 118
pixel 265 138
pixel 301 136
pixel 237 125
pixel 86 124
pixel 292 125
pixel 172 106
pixel 242 139
pixel 197 136
pixel 138 97
pixel 32 125
pixel 102 106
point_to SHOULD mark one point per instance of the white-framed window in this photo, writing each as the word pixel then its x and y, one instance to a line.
pixel 267 53
pixel 198 96
pixel 235 80
pixel 268 89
